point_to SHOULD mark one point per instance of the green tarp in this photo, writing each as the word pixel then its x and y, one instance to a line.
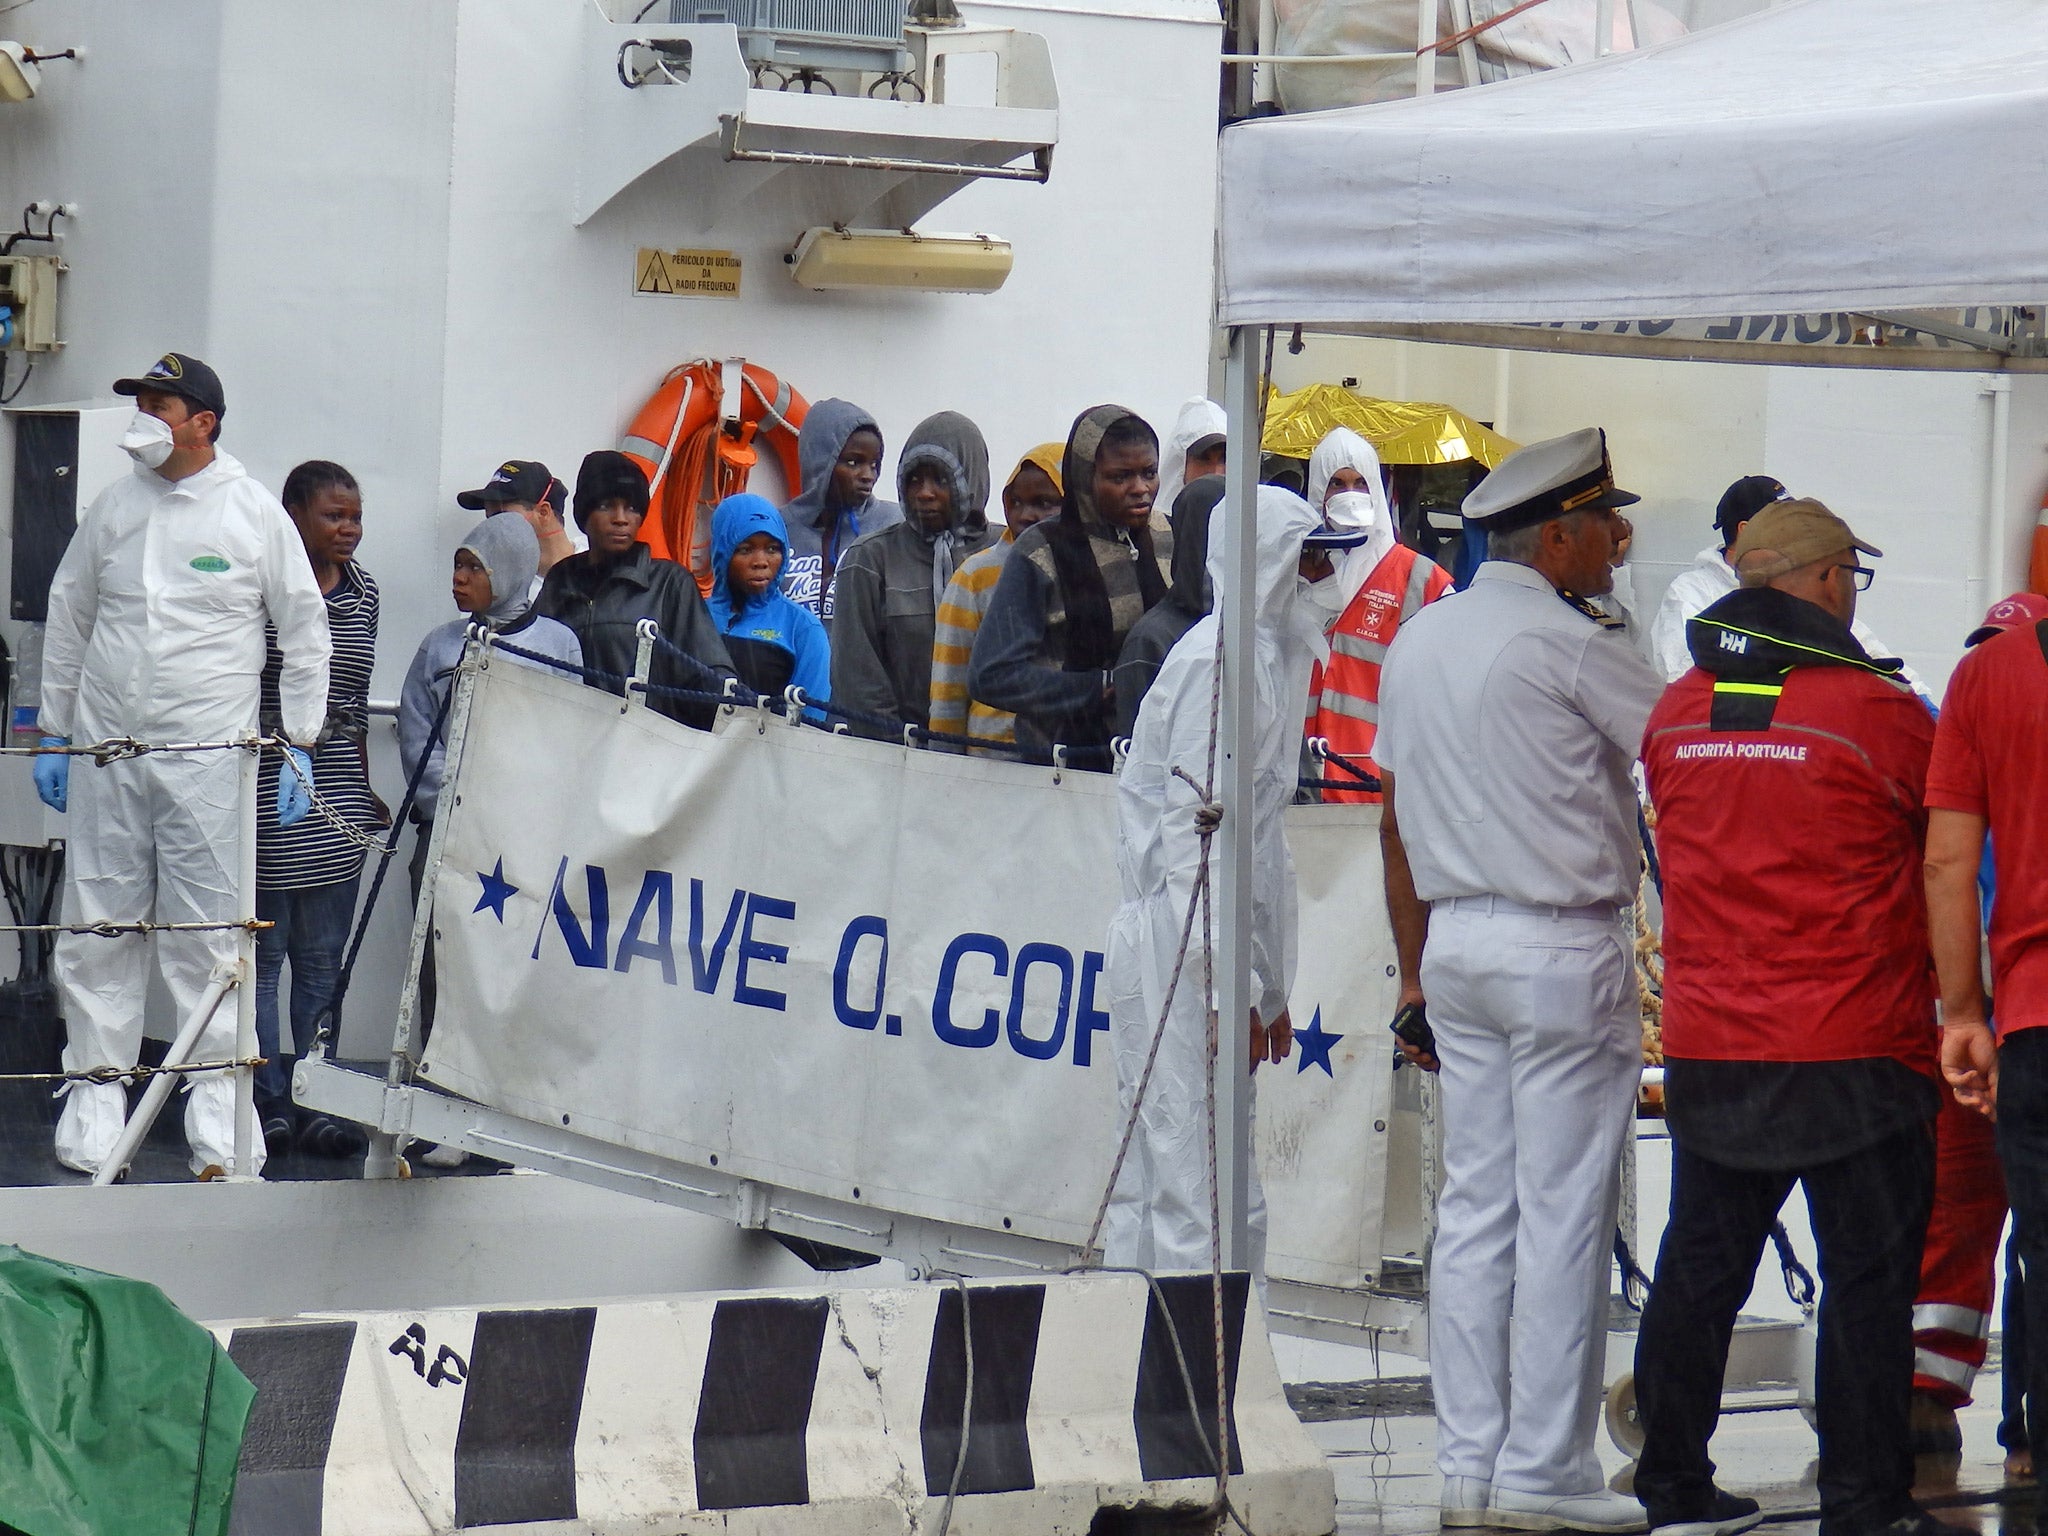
pixel 119 1416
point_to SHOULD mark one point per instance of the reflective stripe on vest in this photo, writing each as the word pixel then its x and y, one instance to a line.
pixel 1345 688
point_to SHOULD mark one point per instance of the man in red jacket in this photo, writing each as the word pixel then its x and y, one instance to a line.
pixel 1787 769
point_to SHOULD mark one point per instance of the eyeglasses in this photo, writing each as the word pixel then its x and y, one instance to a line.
pixel 1862 575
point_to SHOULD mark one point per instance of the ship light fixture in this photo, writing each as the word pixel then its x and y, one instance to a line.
pixel 831 259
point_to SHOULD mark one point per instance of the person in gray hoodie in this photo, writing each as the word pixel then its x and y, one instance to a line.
pixel 839 454
pixel 892 580
pixel 494 570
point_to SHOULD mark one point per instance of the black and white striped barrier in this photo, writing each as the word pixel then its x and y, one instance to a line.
pixel 764 1411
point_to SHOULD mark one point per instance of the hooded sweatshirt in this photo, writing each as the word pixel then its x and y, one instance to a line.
pixel 890 583
pixel 1070 594
pixel 506 547
pixel 820 536
pixel 1198 418
pixel 967 598
pixel 1187 599
pixel 773 642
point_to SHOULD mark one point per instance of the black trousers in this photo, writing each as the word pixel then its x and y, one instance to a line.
pixel 2023 1150
pixel 1869 1213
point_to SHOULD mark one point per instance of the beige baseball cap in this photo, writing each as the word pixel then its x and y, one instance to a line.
pixel 1800 532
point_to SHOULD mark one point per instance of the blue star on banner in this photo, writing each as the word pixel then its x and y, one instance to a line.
pixel 1313 1045
pixel 497 891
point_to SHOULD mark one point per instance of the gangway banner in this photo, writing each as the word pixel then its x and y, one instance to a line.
pixel 861 971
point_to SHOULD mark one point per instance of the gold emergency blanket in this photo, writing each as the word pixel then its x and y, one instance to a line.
pixel 1401 431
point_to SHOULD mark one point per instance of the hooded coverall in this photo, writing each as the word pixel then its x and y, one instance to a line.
pixel 156 632
pixel 1159 1213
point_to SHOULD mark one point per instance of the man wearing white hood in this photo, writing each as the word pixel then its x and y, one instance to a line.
pixel 1159 1214
pixel 1193 448
pixel 1363 595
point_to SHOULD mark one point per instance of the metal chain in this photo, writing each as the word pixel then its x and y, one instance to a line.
pixel 367 841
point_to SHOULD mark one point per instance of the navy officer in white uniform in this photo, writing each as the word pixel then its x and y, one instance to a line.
pixel 1510 715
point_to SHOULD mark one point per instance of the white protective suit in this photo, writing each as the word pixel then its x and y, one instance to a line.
pixel 1159 1213
pixel 1342 448
pixel 156 631
pixel 1197 419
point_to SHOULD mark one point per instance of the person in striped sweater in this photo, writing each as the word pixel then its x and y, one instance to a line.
pixel 1031 495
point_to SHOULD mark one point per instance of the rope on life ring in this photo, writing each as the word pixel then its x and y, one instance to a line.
pixel 695 453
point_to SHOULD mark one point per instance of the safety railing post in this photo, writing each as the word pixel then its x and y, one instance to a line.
pixel 1425 47
pixel 381 1161
pixel 1603 28
pixel 245 963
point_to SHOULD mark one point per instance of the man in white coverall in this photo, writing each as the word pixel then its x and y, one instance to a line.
pixel 156 623
pixel 1510 715
pixel 1159 1214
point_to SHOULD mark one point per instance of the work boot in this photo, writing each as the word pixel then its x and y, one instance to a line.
pixel 1934 1428
pixel 1599 1511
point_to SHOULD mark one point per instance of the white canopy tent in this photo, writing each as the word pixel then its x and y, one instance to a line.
pixel 1823 155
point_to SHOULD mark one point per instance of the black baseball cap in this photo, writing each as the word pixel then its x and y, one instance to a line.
pixel 1744 499
pixel 521 480
pixel 604 475
pixel 177 374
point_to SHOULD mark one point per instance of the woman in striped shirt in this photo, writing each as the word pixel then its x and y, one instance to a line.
pixel 307 873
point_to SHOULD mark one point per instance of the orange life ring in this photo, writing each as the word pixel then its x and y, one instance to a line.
pixel 692 463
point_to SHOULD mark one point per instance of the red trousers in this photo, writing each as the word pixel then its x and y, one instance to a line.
pixel 1952 1313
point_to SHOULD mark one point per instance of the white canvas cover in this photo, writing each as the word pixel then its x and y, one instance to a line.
pixel 1828 154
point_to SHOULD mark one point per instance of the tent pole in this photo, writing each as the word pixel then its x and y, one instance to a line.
pixel 1236 606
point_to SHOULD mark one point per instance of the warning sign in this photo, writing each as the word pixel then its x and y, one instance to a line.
pixel 688 274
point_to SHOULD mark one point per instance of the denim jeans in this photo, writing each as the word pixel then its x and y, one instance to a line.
pixel 1869 1213
pixel 310 928
pixel 2023 1149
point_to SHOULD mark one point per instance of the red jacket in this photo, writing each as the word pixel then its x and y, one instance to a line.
pixel 1786 770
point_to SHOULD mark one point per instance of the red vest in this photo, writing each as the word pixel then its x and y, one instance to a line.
pixel 1344 695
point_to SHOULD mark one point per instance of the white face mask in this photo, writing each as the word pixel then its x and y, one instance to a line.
pixel 147 440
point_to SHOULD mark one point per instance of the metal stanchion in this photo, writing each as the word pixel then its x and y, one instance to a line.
pixel 245 960
pixel 160 1086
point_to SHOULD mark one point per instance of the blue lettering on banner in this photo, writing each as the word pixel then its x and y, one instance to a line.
pixel 752 949
pixel 1091 1020
pixel 1058 959
pixel 590 949
pixel 658 893
pixel 704 976
pixel 942 1000
pixel 849 944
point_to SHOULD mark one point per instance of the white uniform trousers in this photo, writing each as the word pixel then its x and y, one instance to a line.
pixel 148 837
pixel 1538 1032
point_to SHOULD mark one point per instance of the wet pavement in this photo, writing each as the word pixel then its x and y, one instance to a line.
pixel 1387 1482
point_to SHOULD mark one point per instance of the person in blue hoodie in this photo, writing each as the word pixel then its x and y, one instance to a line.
pixel 773 641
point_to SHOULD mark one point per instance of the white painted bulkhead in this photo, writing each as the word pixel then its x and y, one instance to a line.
pixel 364 217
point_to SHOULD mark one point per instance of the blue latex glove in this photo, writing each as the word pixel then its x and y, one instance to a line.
pixel 53 776
pixel 294 788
